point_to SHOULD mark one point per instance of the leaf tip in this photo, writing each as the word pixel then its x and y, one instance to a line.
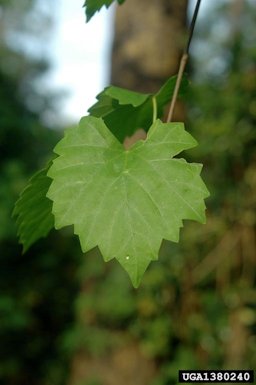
pixel 24 248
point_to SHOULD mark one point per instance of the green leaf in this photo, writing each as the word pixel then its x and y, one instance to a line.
pixel 125 111
pixel 93 6
pixel 125 96
pixel 34 210
pixel 125 201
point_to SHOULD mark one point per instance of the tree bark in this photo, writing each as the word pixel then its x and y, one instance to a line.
pixel 148 41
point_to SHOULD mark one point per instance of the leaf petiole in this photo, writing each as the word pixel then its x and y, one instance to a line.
pixel 154 108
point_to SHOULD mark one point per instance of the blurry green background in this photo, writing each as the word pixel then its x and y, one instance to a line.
pixel 66 318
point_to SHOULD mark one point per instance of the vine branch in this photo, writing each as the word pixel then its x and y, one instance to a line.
pixel 183 62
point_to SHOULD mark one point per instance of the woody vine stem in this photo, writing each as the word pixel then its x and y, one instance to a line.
pixel 183 62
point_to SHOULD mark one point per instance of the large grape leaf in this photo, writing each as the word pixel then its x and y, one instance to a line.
pixel 34 210
pixel 125 111
pixel 93 6
pixel 125 201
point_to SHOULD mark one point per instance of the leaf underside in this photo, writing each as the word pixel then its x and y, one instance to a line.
pixel 125 111
pixel 34 210
pixel 125 201
pixel 93 6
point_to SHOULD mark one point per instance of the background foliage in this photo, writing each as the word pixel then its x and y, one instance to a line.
pixel 196 306
pixel 36 288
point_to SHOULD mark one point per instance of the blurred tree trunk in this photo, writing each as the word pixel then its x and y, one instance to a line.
pixel 149 38
pixel 148 43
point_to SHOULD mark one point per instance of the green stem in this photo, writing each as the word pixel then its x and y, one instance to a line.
pixel 154 108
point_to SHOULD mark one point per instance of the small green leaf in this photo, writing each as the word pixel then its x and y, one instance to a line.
pixel 93 6
pixel 34 210
pixel 125 111
pixel 125 201
pixel 125 96
pixel 104 106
